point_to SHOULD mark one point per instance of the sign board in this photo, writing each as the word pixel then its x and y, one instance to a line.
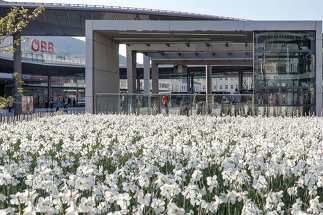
pixel 42 46
pixel 27 103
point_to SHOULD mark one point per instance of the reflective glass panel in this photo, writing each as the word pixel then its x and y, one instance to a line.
pixel 284 71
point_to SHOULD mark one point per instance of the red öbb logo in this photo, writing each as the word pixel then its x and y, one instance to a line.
pixel 43 46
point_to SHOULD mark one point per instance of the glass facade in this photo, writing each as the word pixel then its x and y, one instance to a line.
pixel 284 71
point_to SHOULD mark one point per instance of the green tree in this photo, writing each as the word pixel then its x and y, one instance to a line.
pixel 14 22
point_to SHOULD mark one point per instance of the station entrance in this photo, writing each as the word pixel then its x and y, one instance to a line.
pixel 280 63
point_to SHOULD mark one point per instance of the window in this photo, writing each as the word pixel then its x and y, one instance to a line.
pixel 214 86
pixel 203 87
pixel 231 87
pixel 220 87
pixel 226 79
pixel 302 45
pixel 226 87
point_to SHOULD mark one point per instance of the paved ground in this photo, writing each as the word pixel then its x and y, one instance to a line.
pixel 5 112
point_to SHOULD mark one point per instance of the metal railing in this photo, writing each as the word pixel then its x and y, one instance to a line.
pixel 53 59
pixel 195 104
pixel 177 104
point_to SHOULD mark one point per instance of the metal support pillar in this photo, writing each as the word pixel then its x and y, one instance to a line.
pixel 155 101
pixel 192 84
pixel 188 83
pixel 17 68
pixel 131 78
pixel 146 75
pixel 138 82
pixel 208 80
pixel 318 72
pixel 154 76
pixel 240 76
pixel 49 88
pixel 131 70
pixel 146 61
pixel 208 77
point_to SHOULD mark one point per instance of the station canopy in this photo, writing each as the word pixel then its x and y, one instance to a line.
pixel 69 19
pixel 224 49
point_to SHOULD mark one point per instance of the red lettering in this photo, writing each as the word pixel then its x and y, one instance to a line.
pixel 50 47
pixel 35 45
pixel 43 46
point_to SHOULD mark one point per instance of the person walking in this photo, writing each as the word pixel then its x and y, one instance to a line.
pixel 185 106
pixel 10 105
pixel 65 105
pixel 51 104
pixel 37 101
pixel 138 105
pixel 46 104
pixel 57 104
pixel 165 101
pixel 225 106
pixel 237 103
pixel 198 102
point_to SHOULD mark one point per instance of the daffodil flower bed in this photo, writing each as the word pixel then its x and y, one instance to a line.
pixel 126 164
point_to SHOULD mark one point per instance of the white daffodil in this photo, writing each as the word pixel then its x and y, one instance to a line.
pixel 315 206
pixel 71 211
pixel 123 200
pixel 2 197
pixel 86 205
pixel 172 209
pixel 158 205
pixel 144 199
pixel 122 164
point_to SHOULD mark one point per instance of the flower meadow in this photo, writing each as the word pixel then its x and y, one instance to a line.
pixel 127 164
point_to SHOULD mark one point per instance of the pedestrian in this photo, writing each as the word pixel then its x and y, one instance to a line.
pixel 65 106
pixel 225 106
pixel 123 104
pixel 51 104
pixel 74 102
pixel 138 105
pixel 37 101
pixel 57 103
pixel 186 106
pixel 198 101
pixel 10 105
pixel 46 104
pixel 165 101
pixel 237 103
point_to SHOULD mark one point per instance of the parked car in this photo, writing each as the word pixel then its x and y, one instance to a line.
pixel 81 102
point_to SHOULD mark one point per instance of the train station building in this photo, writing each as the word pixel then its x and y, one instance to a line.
pixel 282 60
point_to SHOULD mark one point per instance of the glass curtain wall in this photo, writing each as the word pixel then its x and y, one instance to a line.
pixel 284 72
